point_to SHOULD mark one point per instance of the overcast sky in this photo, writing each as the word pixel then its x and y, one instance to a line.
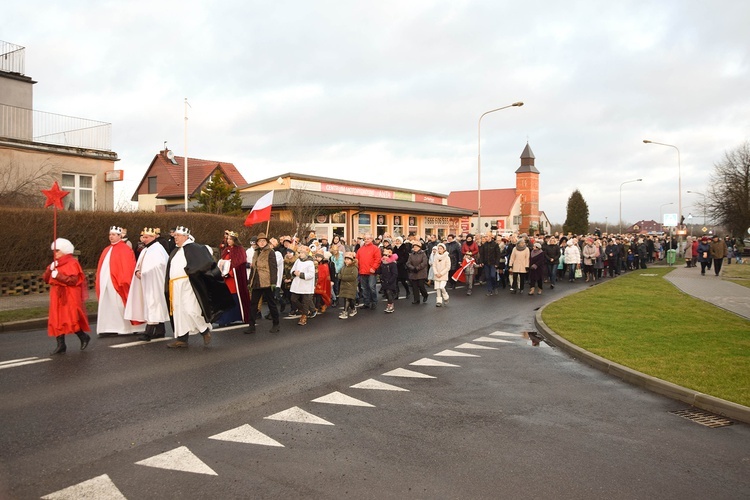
pixel 390 92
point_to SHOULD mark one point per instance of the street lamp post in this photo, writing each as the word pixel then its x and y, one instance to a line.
pixel 704 205
pixel 621 185
pixel 679 180
pixel 661 215
pixel 479 162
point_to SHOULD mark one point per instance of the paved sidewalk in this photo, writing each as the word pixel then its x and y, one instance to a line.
pixel 711 288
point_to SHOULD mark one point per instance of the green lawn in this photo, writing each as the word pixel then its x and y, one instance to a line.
pixel 736 273
pixel 647 324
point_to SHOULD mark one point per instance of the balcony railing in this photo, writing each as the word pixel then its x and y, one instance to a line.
pixel 49 128
pixel 11 57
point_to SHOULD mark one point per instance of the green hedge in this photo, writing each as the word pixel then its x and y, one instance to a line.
pixel 27 232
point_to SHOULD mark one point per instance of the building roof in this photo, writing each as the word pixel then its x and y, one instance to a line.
pixel 494 201
pixel 313 178
pixel 527 161
pixel 199 171
pixel 282 198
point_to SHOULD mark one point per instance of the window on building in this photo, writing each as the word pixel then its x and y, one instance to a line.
pixel 363 224
pixel 516 220
pixel 81 189
pixel 382 224
pixel 398 226
pixel 413 225
pixel 152 185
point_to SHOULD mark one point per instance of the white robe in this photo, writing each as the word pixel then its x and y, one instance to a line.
pixel 146 300
pixel 111 310
pixel 186 311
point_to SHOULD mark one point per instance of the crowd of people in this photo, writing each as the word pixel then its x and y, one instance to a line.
pixel 171 278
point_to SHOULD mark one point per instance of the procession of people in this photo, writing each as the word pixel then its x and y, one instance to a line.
pixel 179 281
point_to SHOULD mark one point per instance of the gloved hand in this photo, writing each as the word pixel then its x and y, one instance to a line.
pixel 52 266
pixel 54 273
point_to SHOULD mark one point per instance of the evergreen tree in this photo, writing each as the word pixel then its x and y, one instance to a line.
pixel 577 220
pixel 218 197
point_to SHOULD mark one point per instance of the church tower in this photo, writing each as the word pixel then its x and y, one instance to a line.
pixel 527 186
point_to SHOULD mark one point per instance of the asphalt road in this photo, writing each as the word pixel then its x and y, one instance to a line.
pixel 511 421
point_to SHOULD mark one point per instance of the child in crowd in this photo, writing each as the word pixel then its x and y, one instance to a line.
pixel 303 285
pixel 348 278
pixel 441 268
pixel 323 285
pixel 466 272
pixel 388 271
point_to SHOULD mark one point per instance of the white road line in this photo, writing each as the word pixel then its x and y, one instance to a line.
pixel 432 362
pixel 181 459
pixel 29 362
pixel 449 353
pixel 401 372
pixel 13 361
pixel 139 342
pixel 338 398
pixel 490 339
pixel 378 386
pixel 505 334
pixel 246 434
pixel 475 346
pixel 296 414
pixel 100 487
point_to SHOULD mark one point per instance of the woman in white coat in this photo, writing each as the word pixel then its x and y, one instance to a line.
pixel 572 258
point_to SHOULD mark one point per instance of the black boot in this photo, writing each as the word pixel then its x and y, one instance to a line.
pixel 148 334
pixel 61 348
pixel 84 337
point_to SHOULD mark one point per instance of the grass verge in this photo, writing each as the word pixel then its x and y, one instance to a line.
pixel 35 313
pixel 736 273
pixel 645 323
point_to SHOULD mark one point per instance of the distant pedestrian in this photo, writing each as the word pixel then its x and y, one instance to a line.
pixel 704 255
pixel 718 253
pixel 441 265
pixel 348 285
pixel 417 266
pixel 388 271
pixel 67 296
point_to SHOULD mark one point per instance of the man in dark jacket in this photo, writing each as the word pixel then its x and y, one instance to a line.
pixel 263 276
pixel 489 258
pixel 552 256
pixel 453 248
pixel 402 250
pixel 195 290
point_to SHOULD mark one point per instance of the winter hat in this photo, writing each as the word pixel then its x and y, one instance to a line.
pixel 440 245
pixel 537 245
pixel 65 246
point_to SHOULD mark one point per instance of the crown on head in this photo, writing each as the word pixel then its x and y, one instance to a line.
pixel 182 230
pixel 233 234
pixel 115 229
pixel 150 231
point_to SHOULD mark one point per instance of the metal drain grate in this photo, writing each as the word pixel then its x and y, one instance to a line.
pixel 703 417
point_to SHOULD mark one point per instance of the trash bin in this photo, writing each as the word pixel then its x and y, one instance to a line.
pixel 671 255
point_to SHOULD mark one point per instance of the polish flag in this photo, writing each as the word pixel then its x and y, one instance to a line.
pixel 261 211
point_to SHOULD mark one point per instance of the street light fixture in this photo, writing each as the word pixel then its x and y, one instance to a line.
pixel 621 185
pixel 479 162
pixel 679 180
pixel 704 205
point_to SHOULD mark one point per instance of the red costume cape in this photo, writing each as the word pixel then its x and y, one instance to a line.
pixel 68 292
pixel 121 267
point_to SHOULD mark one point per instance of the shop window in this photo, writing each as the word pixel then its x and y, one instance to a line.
pixel 382 224
pixel 81 189
pixel 413 225
pixel 398 226
pixel 364 224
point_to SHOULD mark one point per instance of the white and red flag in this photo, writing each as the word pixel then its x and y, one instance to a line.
pixel 261 211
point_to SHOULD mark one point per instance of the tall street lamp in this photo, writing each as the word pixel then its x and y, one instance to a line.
pixel 479 162
pixel 704 205
pixel 661 215
pixel 621 185
pixel 679 179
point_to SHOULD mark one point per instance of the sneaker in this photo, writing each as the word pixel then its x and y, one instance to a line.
pixel 313 314
pixel 438 304
pixel 389 308
pixel 343 315
pixel 293 315
pixel 353 313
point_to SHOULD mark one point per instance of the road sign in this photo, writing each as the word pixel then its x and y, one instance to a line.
pixel 670 219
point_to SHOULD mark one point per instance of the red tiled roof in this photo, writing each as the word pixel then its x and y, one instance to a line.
pixel 171 177
pixel 494 201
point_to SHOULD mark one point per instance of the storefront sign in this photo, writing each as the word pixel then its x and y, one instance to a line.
pixel 356 191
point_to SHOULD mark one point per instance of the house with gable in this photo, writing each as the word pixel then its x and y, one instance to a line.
pixel 162 187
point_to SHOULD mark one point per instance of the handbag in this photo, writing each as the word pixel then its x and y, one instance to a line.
pixel 579 273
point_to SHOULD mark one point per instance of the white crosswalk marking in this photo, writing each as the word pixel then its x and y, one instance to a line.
pixel 296 414
pixel 475 346
pixel 490 339
pixel 401 372
pixel 139 342
pixel 432 362
pixel 246 434
pixel 378 386
pixel 449 353
pixel 181 459
pixel 505 334
pixel 100 488
pixel 338 398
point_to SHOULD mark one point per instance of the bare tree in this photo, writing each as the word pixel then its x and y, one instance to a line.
pixel 21 185
pixel 304 211
pixel 728 195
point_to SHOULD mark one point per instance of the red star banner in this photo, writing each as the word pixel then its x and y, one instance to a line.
pixel 54 196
